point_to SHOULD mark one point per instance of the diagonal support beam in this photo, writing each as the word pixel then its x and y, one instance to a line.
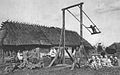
pixel 69 55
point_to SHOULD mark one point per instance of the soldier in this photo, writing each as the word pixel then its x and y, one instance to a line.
pixel 94 63
pixel 77 57
pixel 115 61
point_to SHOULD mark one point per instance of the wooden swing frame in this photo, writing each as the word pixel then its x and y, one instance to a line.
pixel 62 37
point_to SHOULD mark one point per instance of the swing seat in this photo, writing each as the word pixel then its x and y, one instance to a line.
pixel 95 33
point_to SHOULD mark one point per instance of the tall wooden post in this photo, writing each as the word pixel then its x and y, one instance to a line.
pixel 81 23
pixel 81 29
pixel 63 44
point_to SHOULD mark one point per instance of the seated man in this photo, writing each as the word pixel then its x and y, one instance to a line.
pixel 93 64
pixel 52 53
pixel 20 56
pixel 115 61
pixel 109 63
pixel 99 65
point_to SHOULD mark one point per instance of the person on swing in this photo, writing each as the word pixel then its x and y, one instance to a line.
pixel 76 57
pixel 93 28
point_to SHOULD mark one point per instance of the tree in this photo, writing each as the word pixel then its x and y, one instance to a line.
pixel 110 50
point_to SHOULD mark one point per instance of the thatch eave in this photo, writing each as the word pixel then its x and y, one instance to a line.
pixel 25 34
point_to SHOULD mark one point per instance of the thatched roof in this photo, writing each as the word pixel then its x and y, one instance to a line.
pixel 28 34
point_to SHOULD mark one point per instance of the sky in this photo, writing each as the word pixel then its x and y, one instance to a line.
pixel 104 13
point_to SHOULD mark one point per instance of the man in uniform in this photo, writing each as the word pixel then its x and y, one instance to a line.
pixel 77 57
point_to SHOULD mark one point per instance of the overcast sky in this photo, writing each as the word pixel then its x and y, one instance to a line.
pixel 104 13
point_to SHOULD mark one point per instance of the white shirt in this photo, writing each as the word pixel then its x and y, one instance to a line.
pixel 20 56
pixel 52 52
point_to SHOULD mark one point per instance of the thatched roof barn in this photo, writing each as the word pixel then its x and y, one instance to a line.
pixel 22 35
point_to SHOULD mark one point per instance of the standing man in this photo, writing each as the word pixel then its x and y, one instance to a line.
pixel 100 48
pixel 77 57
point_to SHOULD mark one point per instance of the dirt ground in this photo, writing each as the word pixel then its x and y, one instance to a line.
pixel 67 71
pixel 60 70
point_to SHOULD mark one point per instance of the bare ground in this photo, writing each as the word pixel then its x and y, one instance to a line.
pixel 67 71
pixel 60 70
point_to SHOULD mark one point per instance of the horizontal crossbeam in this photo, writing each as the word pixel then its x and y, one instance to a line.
pixel 72 6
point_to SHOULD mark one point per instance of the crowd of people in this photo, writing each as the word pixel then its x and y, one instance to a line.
pixel 26 59
pixel 95 61
pixel 100 61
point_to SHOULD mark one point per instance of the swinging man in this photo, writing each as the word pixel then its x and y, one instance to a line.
pixel 93 28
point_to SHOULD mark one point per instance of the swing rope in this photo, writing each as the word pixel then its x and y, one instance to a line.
pixel 78 20
pixel 90 20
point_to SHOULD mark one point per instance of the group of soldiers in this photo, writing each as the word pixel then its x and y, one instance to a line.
pixel 100 61
pixel 26 59
pixel 95 61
